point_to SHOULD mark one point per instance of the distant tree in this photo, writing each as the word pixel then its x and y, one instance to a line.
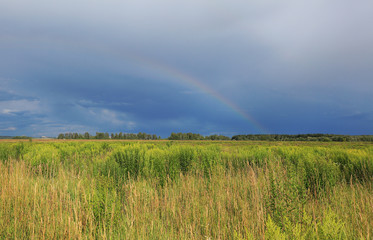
pixel 196 136
pixel 173 136
pixel 86 135
pixel 21 137
pixel 100 135
pixel 302 137
pixel 75 136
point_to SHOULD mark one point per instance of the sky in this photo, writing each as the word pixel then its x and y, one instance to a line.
pixel 202 66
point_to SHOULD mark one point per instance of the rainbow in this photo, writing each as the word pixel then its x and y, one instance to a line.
pixel 174 73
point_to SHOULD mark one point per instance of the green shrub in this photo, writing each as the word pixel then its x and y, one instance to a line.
pixel 43 159
pixel 273 232
pixel 186 156
pixel 5 152
pixel 130 159
pixel 155 165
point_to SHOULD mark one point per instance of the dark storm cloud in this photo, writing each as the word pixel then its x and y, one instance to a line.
pixel 294 66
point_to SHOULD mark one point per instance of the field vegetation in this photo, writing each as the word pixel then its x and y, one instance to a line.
pixel 185 190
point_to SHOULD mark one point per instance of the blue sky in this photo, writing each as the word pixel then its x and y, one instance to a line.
pixel 292 67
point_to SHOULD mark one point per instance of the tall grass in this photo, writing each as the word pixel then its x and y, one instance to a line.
pixel 185 190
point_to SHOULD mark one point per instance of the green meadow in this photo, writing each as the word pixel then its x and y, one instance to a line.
pixel 185 190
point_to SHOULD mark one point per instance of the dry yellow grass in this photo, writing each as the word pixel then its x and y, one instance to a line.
pixel 79 199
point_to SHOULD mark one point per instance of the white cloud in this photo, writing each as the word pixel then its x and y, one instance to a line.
pixel 7 111
pixel 116 118
pixel 111 116
pixel 53 129
pixel 9 129
pixel 16 106
pixel 107 117
pixel 318 31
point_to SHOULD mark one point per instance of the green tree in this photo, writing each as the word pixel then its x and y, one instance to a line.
pixel 86 135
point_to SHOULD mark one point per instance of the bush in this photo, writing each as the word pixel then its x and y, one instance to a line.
pixel 43 159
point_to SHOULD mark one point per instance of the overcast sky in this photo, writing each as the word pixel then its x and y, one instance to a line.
pixel 210 67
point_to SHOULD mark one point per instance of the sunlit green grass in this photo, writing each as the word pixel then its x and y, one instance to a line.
pixel 185 190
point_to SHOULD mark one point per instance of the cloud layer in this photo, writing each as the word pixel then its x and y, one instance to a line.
pixel 294 67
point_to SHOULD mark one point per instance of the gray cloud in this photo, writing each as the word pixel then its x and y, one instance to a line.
pixel 95 64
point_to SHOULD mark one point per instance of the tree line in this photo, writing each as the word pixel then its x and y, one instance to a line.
pixel 305 137
pixel 196 136
pixel 141 136
pixel 102 135
pixel 319 137
pixel 14 137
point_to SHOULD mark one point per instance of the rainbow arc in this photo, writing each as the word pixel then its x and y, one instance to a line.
pixel 174 73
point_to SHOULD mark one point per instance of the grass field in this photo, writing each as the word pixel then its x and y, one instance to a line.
pixel 185 190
